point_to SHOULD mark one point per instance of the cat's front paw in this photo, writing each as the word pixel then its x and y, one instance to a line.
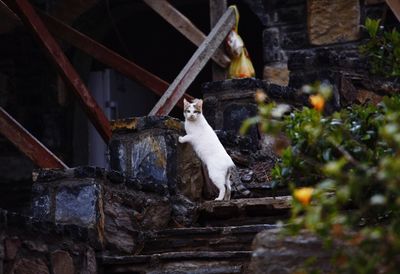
pixel 180 139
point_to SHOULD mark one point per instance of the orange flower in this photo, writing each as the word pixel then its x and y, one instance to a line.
pixel 303 195
pixel 317 101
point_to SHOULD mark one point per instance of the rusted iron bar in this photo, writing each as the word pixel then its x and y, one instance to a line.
pixel 30 18
pixel 181 23
pixel 106 56
pixel 195 64
pixel 25 142
pixel 395 7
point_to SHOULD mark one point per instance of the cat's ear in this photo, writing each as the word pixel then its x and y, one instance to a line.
pixel 199 103
pixel 185 103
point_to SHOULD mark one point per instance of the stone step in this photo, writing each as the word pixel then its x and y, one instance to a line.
pixel 266 189
pixel 194 262
pixel 236 238
pixel 236 212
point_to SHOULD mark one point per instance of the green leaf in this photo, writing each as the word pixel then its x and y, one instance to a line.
pixel 372 26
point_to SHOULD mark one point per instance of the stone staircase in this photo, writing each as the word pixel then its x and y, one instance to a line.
pixel 217 236
pixel 220 242
pixel 153 211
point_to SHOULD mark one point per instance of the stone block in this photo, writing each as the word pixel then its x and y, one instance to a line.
pixel 149 157
pixel 30 266
pixel 89 265
pixel 41 202
pixel 61 262
pixel 333 21
pixel 277 74
pixel 275 253
pixel 147 149
pixel 71 197
pixel 11 247
pixel 68 197
pixel 78 203
pixel 291 14
pixel 191 179
pixel 293 37
pixel 36 246
pixel 273 52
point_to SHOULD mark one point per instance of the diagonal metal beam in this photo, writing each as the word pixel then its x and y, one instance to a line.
pixel 195 64
pixel 106 56
pixel 26 143
pixel 186 27
pixel 30 18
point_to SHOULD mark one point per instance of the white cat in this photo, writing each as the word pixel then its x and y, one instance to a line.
pixel 209 149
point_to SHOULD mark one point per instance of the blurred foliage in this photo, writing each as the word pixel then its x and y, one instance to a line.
pixel 382 49
pixel 344 171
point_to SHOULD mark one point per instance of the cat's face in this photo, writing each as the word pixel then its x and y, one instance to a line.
pixel 192 111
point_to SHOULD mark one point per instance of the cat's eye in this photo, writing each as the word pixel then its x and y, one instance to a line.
pixel 187 111
pixel 196 111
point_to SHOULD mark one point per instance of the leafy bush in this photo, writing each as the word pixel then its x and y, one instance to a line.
pixel 382 49
pixel 344 171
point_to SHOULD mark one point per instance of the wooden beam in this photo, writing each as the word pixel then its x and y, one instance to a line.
pixel 106 56
pixel 195 64
pixel 217 9
pixel 186 27
pixel 27 144
pixel 394 5
pixel 30 18
pixel 101 53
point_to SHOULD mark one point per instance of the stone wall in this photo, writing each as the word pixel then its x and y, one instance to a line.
pixel 114 210
pixel 29 246
pixel 274 252
pixel 309 40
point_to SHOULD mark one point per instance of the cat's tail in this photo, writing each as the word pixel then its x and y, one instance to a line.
pixel 237 183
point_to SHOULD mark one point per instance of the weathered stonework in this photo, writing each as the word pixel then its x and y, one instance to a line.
pixel 333 21
pixel 273 52
pixel 277 74
pixel 30 246
pixel 62 263
pixel 67 197
pixel 147 148
pixel 113 209
pixel 275 253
